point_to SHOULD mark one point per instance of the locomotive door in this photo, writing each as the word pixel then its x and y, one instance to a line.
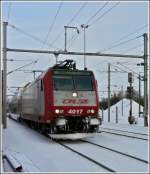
pixel 40 101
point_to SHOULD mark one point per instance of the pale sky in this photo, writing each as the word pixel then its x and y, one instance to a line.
pixel 107 28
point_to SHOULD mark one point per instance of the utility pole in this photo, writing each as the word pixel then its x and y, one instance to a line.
pixel 84 27
pixel 4 91
pixel 34 75
pixel 108 92
pixel 65 38
pixel 131 93
pixel 139 94
pixel 145 80
pixel 116 114
pixel 122 97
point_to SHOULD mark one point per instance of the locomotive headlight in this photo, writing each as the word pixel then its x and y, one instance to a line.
pixel 74 94
pixel 57 111
pixel 92 111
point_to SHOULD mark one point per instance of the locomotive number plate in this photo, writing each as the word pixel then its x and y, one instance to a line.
pixel 75 111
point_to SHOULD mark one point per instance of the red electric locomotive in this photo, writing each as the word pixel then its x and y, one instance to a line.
pixel 62 100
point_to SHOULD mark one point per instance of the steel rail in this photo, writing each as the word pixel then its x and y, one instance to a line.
pixel 98 145
pixel 123 135
pixel 126 131
pixel 113 150
pixel 85 156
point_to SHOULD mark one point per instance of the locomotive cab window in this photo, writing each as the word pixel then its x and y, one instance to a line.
pixel 62 82
pixel 73 82
pixel 83 83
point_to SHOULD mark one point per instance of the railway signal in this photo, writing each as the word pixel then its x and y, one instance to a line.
pixel 130 77
pixel 130 92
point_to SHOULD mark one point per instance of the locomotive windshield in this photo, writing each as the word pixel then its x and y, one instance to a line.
pixel 83 83
pixel 73 82
pixel 62 82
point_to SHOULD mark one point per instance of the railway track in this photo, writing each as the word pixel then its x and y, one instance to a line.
pixel 136 133
pixel 80 154
pixel 116 151
pixel 97 161
pixel 85 156
pixel 110 132
pixel 116 132
pixel 106 164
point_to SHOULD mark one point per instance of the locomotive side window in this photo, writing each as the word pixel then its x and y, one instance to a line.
pixel 83 83
pixel 62 82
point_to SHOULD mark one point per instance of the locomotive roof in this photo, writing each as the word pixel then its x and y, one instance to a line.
pixel 60 71
pixel 72 72
pixel 65 71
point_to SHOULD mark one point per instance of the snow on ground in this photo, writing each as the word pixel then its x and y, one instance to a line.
pixel 6 167
pixel 45 155
pixel 123 144
pixel 123 119
pixel 40 154
pixel 125 127
pixel 109 158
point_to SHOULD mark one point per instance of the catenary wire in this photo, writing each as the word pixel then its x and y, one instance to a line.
pixel 92 23
pixel 33 62
pixel 130 49
pixel 128 68
pixel 51 26
pixel 126 36
pixel 53 23
pixel 124 42
pixel 106 12
pixel 18 60
pixel 72 19
pixel 97 12
pixel 9 10
pixel 133 48
pixel 28 34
